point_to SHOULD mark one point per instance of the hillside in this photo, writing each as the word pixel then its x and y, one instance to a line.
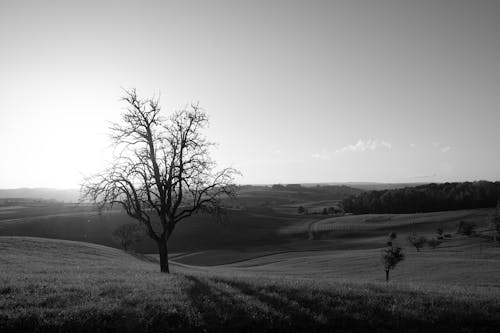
pixel 71 285
pixel 287 194
pixel 249 229
pixel 63 195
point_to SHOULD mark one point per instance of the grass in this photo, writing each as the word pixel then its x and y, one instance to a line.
pixel 53 285
pixel 200 232
pixel 421 222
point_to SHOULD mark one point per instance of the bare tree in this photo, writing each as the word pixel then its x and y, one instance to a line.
pixel 162 172
pixel 128 234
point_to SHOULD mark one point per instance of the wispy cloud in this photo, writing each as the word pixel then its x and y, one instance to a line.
pixel 322 156
pixel 412 145
pixel 441 148
pixel 364 145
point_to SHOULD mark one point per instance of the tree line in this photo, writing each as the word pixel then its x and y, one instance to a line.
pixel 425 198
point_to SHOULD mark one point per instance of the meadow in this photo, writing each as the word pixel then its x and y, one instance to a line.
pixel 55 285
pixel 266 268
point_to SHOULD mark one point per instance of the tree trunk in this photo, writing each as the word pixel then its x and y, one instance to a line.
pixel 386 275
pixel 163 251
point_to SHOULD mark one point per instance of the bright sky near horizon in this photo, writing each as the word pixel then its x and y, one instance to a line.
pixel 297 91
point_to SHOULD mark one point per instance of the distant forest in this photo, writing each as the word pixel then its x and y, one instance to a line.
pixel 334 192
pixel 425 198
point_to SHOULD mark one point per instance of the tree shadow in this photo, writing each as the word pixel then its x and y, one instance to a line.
pixel 216 310
pixel 242 307
pixel 296 314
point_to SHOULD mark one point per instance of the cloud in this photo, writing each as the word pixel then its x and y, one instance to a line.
pixel 412 145
pixel 364 145
pixel 322 156
pixel 441 148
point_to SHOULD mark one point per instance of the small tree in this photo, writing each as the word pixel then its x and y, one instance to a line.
pixel 391 256
pixel 325 212
pixel 128 234
pixel 495 220
pixel 440 232
pixel 466 229
pixel 392 236
pixel 434 243
pixel 417 241
pixel 301 210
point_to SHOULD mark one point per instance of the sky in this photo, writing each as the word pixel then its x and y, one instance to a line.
pixel 296 91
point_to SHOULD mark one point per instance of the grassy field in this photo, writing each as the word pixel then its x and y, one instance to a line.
pixel 53 285
pixel 267 268
pixel 242 228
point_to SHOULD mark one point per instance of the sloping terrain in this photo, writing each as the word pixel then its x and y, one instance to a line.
pixel 53 285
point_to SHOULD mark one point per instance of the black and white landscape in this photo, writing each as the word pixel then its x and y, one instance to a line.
pixel 249 166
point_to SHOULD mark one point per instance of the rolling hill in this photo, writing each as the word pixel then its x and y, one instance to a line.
pixel 55 285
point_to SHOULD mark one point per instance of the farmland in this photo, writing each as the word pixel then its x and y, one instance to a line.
pixel 71 286
pixel 266 268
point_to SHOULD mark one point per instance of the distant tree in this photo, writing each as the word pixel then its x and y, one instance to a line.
pixel 332 210
pixel 128 234
pixel 162 172
pixel 495 220
pixel 301 210
pixel 466 229
pixel 325 211
pixel 392 236
pixel 417 241
pixel 391 256
pixel 278 187
pixel 440 232
pixel 434 243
